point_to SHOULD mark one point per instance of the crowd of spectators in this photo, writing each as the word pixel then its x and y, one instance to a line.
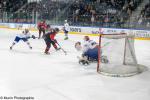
pixel 88 12
pixel 46 10
pixel 50 10
pixel 144 17
pixel 109 13
pixel 103 12
pixel 12 5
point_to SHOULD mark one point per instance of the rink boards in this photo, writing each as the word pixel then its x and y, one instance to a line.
pixel 93 31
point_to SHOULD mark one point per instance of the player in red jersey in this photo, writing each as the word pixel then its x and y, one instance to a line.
pixel 42 27
pixel 50 39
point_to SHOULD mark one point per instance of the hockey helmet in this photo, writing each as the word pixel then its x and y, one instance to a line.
pixel 44 21
pixel 48 26
pixel 86 38
pixel 56 29
pixel 26 30
pixel 65 21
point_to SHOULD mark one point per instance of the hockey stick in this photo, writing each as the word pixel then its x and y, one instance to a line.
pixel 33 37
pixel 107 43
pixel 62 49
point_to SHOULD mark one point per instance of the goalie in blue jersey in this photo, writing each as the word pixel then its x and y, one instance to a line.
pixel 24 36
pixel 89 51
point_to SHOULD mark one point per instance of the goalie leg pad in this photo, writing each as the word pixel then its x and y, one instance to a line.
pixel 83 62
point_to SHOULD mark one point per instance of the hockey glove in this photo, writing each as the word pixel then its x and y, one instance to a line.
pixel 55 41
pixel 33 37
pixel 28 37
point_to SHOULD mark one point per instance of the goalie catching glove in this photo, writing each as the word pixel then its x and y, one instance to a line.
pixel 33 37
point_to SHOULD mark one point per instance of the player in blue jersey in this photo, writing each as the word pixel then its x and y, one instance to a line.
pixel 24 36
pixel 89 51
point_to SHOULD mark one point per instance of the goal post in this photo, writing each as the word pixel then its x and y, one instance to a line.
pixel 116 55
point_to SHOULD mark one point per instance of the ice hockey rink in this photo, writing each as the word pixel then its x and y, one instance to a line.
pixel 31 73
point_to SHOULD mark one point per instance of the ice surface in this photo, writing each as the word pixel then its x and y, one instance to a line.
pixel 25 72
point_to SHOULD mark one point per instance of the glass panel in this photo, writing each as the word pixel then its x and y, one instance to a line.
pixel 100 13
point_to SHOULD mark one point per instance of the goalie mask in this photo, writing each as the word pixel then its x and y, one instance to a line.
pixel 78 46
pixel 86 38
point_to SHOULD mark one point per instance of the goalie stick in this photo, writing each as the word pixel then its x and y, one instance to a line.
pixel 107 43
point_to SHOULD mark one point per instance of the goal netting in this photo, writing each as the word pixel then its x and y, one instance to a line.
pixel 117 55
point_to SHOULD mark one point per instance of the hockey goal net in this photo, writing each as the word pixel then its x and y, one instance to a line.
pixel 117 55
